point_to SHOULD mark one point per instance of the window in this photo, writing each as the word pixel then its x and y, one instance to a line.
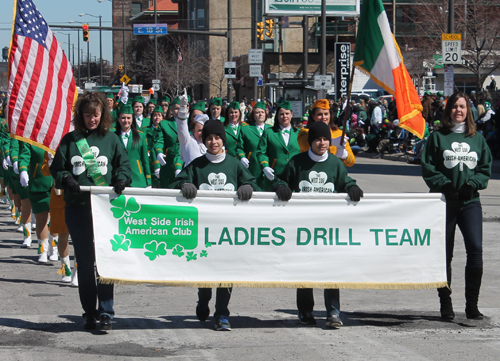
pixel 136 8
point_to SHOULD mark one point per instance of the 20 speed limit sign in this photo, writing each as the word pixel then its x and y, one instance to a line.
pixel 451 46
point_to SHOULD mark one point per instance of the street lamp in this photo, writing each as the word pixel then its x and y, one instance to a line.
pixel 79 53
pixel 100 37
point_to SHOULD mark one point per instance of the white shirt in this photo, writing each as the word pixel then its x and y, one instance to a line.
pixel 126 136
pixel 377 116
pixel 138 120
pixel 234 127
pixel 286 136
pixel 261 127
pixel 190 147
pixel 317 158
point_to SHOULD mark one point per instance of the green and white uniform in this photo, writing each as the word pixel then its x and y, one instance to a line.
pixel 139 159
pixel 233 138
pixel 166 142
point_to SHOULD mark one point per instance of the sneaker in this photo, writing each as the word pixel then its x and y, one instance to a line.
pixel 222 324
pixel 27 242
pixel 307 318
pixel 333 321
pixel 105 323
pixel 20 229
pixel 202 311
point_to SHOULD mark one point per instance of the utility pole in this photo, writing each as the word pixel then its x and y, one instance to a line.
pixel 88 61
pixel 123 32
pixel 78 56
pixel 100 45
pixel 254 32
pixel 305 34
pixel 323 37
pixel 229 49
pixel 156 45
pixel 451 16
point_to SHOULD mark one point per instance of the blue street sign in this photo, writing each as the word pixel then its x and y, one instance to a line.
pixel 260 81
pixel 150 29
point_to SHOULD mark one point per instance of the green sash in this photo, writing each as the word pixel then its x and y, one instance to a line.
pixel 89 159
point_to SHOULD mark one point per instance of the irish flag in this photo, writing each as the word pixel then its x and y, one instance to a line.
pixel 378 55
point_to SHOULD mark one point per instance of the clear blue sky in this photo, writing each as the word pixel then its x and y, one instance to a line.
pixel 60 12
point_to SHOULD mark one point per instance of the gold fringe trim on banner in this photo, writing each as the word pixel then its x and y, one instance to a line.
pixel 321 285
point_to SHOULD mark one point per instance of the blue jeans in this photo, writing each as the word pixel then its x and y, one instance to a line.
pixel 79 222
pixel 469 219
pixel 305 300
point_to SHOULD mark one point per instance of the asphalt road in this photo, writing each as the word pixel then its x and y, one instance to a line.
pixel 40 317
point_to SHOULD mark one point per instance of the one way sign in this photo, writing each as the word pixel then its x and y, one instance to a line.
pixel 230 69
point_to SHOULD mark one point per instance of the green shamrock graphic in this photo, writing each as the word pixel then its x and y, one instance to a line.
pixel 122 207
pixel 177 250
pixel 191 256
pixel 119 242
pixel 203 253
pixel 208 245
pixel 155 249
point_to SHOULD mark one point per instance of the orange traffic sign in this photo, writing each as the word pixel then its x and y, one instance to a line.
pixel 451 37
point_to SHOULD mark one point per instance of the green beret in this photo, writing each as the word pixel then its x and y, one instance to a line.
pixel 157 109
pixel 427 93
pixel 440 94
pixel 139 99
pixel 153 101
pixel 175 101
pixel 165 98
pixel 199 106
pixel 110 96
pixel 285 105
pixel 234 105
pixel 216 101
pixel 260 105
pixel 126 109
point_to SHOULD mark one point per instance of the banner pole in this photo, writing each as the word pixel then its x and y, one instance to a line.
pixel 348 105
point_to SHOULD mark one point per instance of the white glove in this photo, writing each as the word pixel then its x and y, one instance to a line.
pixel 269 172
pixel 342 153
pixel 157 173
pixel 24 178
pixel 245 162
pixel 161 158
pixel 8 161
pixel 336 142
pixel 183 112
pixel 5 165
pixel 51 158
pixel 177 171
pixel 183 99
pixel 124 93
pixel 149 187
pixel 15 166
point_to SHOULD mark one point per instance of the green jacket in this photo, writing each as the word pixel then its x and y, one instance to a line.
pixel 166 142
pixel 153 162
pixel 233 139
pixel 31 160
pixel 453 157
pixel 139 161
pixel 247 148
pixel 110 156
pixel 302 174
pixel 227 175
pixel 146 122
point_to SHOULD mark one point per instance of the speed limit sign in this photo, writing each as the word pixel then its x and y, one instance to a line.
pixel 451 47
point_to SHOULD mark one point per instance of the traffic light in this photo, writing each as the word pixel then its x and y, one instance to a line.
pixel 260 31
pixel 85 28
pixel 269 28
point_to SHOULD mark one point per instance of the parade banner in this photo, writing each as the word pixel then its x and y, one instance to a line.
pixel 385 241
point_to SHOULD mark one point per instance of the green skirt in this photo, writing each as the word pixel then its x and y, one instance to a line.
pixel 39 201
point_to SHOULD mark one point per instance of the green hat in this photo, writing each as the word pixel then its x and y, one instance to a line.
pixel 487 105
pixel 157 109
pixel 440 94
pixel 175 101
pixel 130 101
pixel 139 99
pixel 199 106
pixel 427 93
pixel 110 96
pixel 165 98
pixel 153 101
pixel 234 105
pixel 216 101
pixel 260 105
pixel 285 105
pixel 126 109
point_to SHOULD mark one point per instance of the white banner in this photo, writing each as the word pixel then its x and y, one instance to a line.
pixel 389 241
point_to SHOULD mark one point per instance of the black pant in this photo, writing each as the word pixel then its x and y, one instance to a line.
pixel 222 297
pixel 305 300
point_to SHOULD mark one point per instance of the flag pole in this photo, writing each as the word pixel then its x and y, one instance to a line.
pixel 348 105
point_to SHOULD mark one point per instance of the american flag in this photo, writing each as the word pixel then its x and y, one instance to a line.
pixel 41 88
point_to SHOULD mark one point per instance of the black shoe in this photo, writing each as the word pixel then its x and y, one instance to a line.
pixel 333 321
pixel 447 312
pixel 105 323
pixel 307 318
pixel 202 311
pixel 89 322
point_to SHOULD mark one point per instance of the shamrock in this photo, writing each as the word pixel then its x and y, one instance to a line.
pixel 203 253
pixel 317 183
pixel 208 245
pixel 177 251
pixel 155 249
pixel 191 256
pixel 460 155
pixel 217 182
pixel 122 207
pixel 119 242
pixel 79 164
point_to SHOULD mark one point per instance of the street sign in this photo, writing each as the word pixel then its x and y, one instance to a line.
pixel 125 79
pixel 156 81
pixel 448 81
pixel 230 69
pixel 260 81
pixel 342 69
pixel 150 29
pixel 255 71
pixel 156 87
pixel 322 81
pixel 312 7
pixel 255 56
pixel 451 46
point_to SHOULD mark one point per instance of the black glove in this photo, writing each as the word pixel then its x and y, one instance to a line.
pixel 70 184
pixel 245 192
pixel 284 193
pixel 465 192
pixel 189 190
pixel 450 192
pixel 355 193
pixel 119 186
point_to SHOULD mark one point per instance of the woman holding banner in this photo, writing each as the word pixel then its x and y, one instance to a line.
pixel 90 155
pixel 457 162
